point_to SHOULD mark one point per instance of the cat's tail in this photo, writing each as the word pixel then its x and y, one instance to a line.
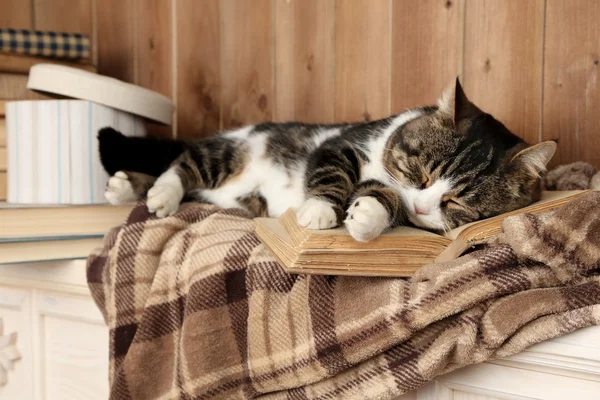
pixel 148 155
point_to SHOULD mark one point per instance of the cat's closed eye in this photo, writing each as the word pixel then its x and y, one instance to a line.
pixel 400 168
pixel 449 201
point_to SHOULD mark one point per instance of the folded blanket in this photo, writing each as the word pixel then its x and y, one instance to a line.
pixel 47 44
pixel 197 308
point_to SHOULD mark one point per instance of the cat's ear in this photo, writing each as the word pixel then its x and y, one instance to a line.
pixel 534 159
pixel 455 104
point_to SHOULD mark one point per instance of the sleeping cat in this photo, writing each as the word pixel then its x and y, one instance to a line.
pixel 435 168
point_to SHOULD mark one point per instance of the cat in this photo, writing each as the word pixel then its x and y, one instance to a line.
pixel 434 167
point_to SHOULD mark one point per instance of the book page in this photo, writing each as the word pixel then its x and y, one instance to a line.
pixel 274 226
pixel 492 226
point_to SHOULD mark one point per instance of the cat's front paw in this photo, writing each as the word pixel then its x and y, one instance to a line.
pixel 164 198
pixel 367 219
pixel 119 189
pixel 316 214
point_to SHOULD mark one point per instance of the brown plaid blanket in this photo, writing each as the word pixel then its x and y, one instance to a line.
pixel 198 309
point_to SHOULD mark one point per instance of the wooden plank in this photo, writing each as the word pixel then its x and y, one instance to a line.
pixel 73 16
pixel 246 62
pixel 3 132
pixel 304 60
pixel 3 186
pixel 21 64
pixel 571 88
pixel 154 51
pixel 426 50
pixel 16 14
pixel 503 62
pixel 362 59
pixel 3 159
pixel 115 36
pixel 14 87
pixel 198 68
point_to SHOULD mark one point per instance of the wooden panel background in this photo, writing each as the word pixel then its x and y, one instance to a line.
pixel 531 63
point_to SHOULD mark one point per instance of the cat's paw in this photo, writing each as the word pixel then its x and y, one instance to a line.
pixel 367 219
pixel 165 196
pixel 119 189
pixel 316 214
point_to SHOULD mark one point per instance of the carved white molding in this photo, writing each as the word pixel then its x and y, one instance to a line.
pixel 576 354
pixel 555 363
pixel 8 353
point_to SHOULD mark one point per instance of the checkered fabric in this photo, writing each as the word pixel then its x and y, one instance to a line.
pixel 72 46
pixel 198 309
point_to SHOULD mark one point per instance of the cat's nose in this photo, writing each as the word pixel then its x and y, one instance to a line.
pixel 420 209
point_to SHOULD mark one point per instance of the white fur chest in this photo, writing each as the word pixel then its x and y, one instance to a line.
pixel 281 188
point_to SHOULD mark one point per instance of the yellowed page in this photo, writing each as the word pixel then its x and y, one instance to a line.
pixel 273 225
pixel 491 226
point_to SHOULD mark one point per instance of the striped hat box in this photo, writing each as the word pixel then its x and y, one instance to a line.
pixel 53 150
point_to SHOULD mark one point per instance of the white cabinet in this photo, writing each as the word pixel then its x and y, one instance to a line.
pixel 490 382
pixel 15 311
pixel 64 349
pixel 563 368
pixel 62 337
pixel 71 347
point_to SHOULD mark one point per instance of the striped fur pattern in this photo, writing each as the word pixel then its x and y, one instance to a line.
pixel 198 309
pixel 435 167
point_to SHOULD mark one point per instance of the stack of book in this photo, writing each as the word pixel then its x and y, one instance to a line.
pixel 54 232
pixel 39 131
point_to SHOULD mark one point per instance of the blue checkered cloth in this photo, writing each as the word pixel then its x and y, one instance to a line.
pixel 72 46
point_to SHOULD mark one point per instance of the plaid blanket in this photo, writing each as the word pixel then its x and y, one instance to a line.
pixel 46 44
pixel 198 309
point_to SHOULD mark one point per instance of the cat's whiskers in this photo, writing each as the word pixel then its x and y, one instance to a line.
pixel 392 179
pixel 447 227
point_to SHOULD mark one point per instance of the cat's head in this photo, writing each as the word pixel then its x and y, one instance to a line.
pixel 455 164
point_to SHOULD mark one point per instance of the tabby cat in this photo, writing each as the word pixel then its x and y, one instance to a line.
pixel 435 167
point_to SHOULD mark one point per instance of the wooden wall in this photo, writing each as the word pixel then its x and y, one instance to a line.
pixel 532 63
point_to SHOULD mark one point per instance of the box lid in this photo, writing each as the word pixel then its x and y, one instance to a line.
pixel 85 85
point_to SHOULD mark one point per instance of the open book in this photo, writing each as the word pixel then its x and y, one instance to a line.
pixel 398 252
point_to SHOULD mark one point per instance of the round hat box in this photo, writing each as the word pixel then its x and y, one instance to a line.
pixel 52 144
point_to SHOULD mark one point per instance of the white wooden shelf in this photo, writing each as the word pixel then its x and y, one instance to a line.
pixel 64 346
